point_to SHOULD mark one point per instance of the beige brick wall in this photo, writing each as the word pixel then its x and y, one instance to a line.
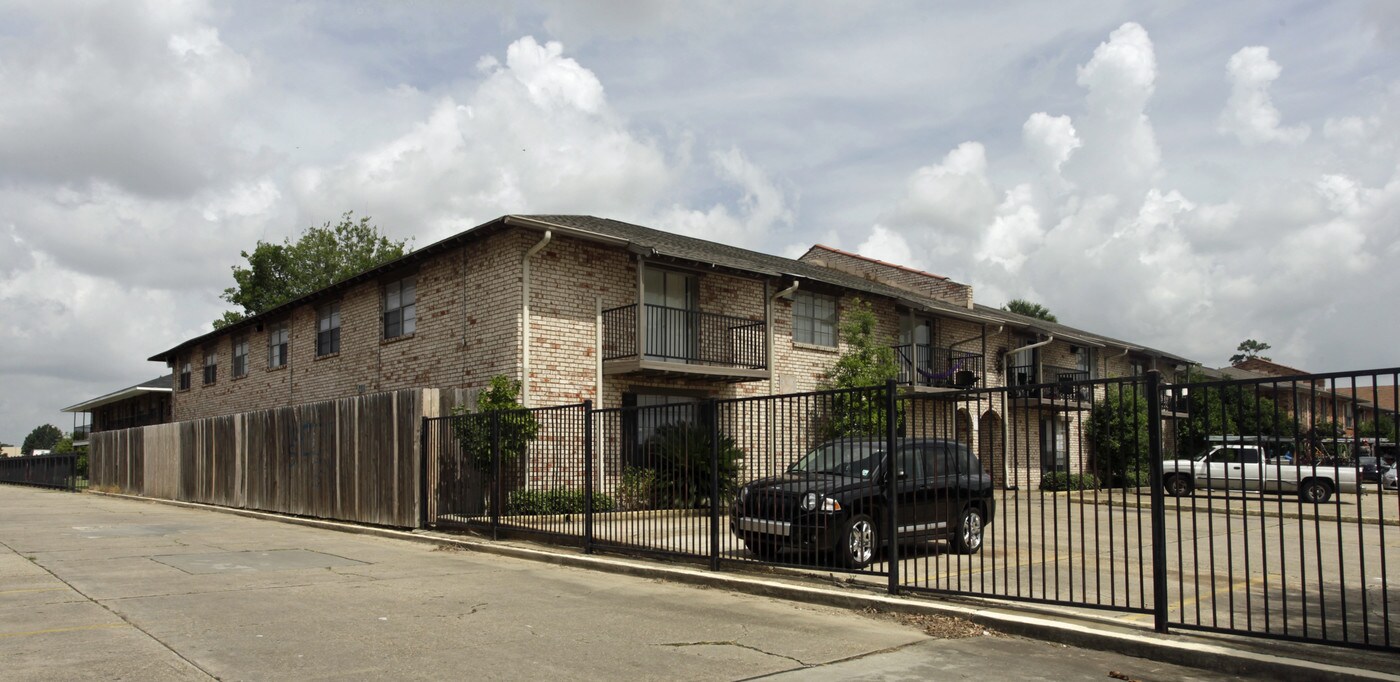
pixel 467 330
pixel 928 284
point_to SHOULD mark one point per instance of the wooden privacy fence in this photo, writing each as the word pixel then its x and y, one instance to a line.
pixel 354 459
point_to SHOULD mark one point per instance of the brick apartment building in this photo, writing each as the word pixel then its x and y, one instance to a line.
pixel 579 307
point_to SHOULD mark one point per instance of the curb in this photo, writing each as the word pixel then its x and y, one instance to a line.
pixel 1106 637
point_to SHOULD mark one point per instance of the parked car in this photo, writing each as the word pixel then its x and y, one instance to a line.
pixel 1370 469
pixel 835 499
pixel 1390 480
pixel 1245 467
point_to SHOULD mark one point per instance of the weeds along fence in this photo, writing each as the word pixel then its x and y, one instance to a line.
pixel 355 459
pixel 44 471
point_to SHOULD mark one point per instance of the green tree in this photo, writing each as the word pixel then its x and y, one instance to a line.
pixel 1382 428
pixel 1117 432
pixel 517 427
pixel 867 362
pixel 1233 411
pixel 41 438
pixel 63 446
pixel 320 257
pixel 1248 350
pixel 1021 306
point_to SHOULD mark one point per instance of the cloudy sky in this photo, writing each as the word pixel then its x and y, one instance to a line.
pixel 1182 174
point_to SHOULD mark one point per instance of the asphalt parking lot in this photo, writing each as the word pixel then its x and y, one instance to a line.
pixel 103 588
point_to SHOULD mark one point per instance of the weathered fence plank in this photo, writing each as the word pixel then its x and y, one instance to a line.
pixel 354 459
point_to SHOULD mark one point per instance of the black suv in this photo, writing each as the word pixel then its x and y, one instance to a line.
pixel 835 499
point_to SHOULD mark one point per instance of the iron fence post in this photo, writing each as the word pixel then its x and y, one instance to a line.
pixel 713 409
pixel 423 474
pixel 495 474
pixel 1159 511
pixel 891 408
pixel 588 477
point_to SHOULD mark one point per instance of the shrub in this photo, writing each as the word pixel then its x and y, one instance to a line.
pixel 637 489
pixel 680 454
pixel 554 501
pixel 1059 480
pixel 517 426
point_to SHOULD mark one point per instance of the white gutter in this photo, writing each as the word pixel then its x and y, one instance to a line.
pixel 772 376
pixel 525 317
pixel 1037 344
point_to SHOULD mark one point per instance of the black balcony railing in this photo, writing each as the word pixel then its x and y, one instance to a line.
pixel 1066 382
pixel 922 364
pixel 685 336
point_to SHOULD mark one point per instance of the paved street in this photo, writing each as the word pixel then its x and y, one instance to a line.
pixel 103 588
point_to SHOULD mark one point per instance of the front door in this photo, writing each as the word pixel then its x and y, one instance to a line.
pixel 670 300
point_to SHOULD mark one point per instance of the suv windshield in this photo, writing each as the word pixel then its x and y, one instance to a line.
pixel 854 459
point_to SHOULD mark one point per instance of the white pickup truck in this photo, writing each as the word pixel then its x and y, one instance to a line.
pixel 1246 467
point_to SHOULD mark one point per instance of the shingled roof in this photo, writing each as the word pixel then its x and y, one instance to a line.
pixel 657 243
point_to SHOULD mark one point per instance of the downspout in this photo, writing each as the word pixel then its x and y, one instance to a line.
pixel 525 317
pixel 772 376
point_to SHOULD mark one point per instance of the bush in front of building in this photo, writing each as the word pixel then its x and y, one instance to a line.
pixel 555 501
pixel 1060 480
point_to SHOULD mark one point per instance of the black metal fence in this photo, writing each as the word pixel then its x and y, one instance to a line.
pixel 1227 506
pixel 45 471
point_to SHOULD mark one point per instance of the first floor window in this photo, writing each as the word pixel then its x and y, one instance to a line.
pixel 277 338
pixel 1054 445
pixel 211 367
pixel 400 308
pixel 185 376
pixel 240 356
pixel 814 319
pixel 328 330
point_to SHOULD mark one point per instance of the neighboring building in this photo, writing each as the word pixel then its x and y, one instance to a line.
pixel 144 404
pixel 10 451
pixel 1308 400
pixel 578 307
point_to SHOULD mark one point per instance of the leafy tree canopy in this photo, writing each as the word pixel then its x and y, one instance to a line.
pixel 1021 306
pixel 41 438
pixel 1248 350
pixel 1233 411
pixel 322 256
pixel 868 361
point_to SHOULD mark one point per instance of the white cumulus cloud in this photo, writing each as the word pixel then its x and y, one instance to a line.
pixel 1250 114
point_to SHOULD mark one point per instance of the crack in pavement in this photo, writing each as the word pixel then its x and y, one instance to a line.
pixel 737 644
pixel 124 619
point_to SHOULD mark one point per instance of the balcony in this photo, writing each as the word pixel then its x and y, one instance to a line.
pixel 677 341
pixel 1054 387
pixel 925 365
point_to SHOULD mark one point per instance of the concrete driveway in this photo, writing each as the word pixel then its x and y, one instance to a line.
pixel 104 588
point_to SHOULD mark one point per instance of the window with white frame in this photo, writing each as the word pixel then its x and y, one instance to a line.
pixel 814 319
pixel 185 375
pixel 1054 444
pixel 211 366
pixel 328 330
pixel 240 356
pixel 400 308
pixel 277 342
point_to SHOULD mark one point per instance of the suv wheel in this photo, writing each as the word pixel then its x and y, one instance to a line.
pixel 1315 491
pixel 856 543
pixel 967 537
pixel 1179 486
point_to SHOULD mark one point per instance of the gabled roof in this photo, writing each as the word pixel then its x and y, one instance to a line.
pixel 656 243
pixel 156 385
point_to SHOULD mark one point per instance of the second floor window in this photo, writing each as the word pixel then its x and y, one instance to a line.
pixel 814 319
pixel 211 367
pixel 400 308
pixel 185 376
pixel 277 338
pixel 328 330
pixel 240 357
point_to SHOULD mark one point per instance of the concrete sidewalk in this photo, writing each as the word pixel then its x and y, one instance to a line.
pixel 95 587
